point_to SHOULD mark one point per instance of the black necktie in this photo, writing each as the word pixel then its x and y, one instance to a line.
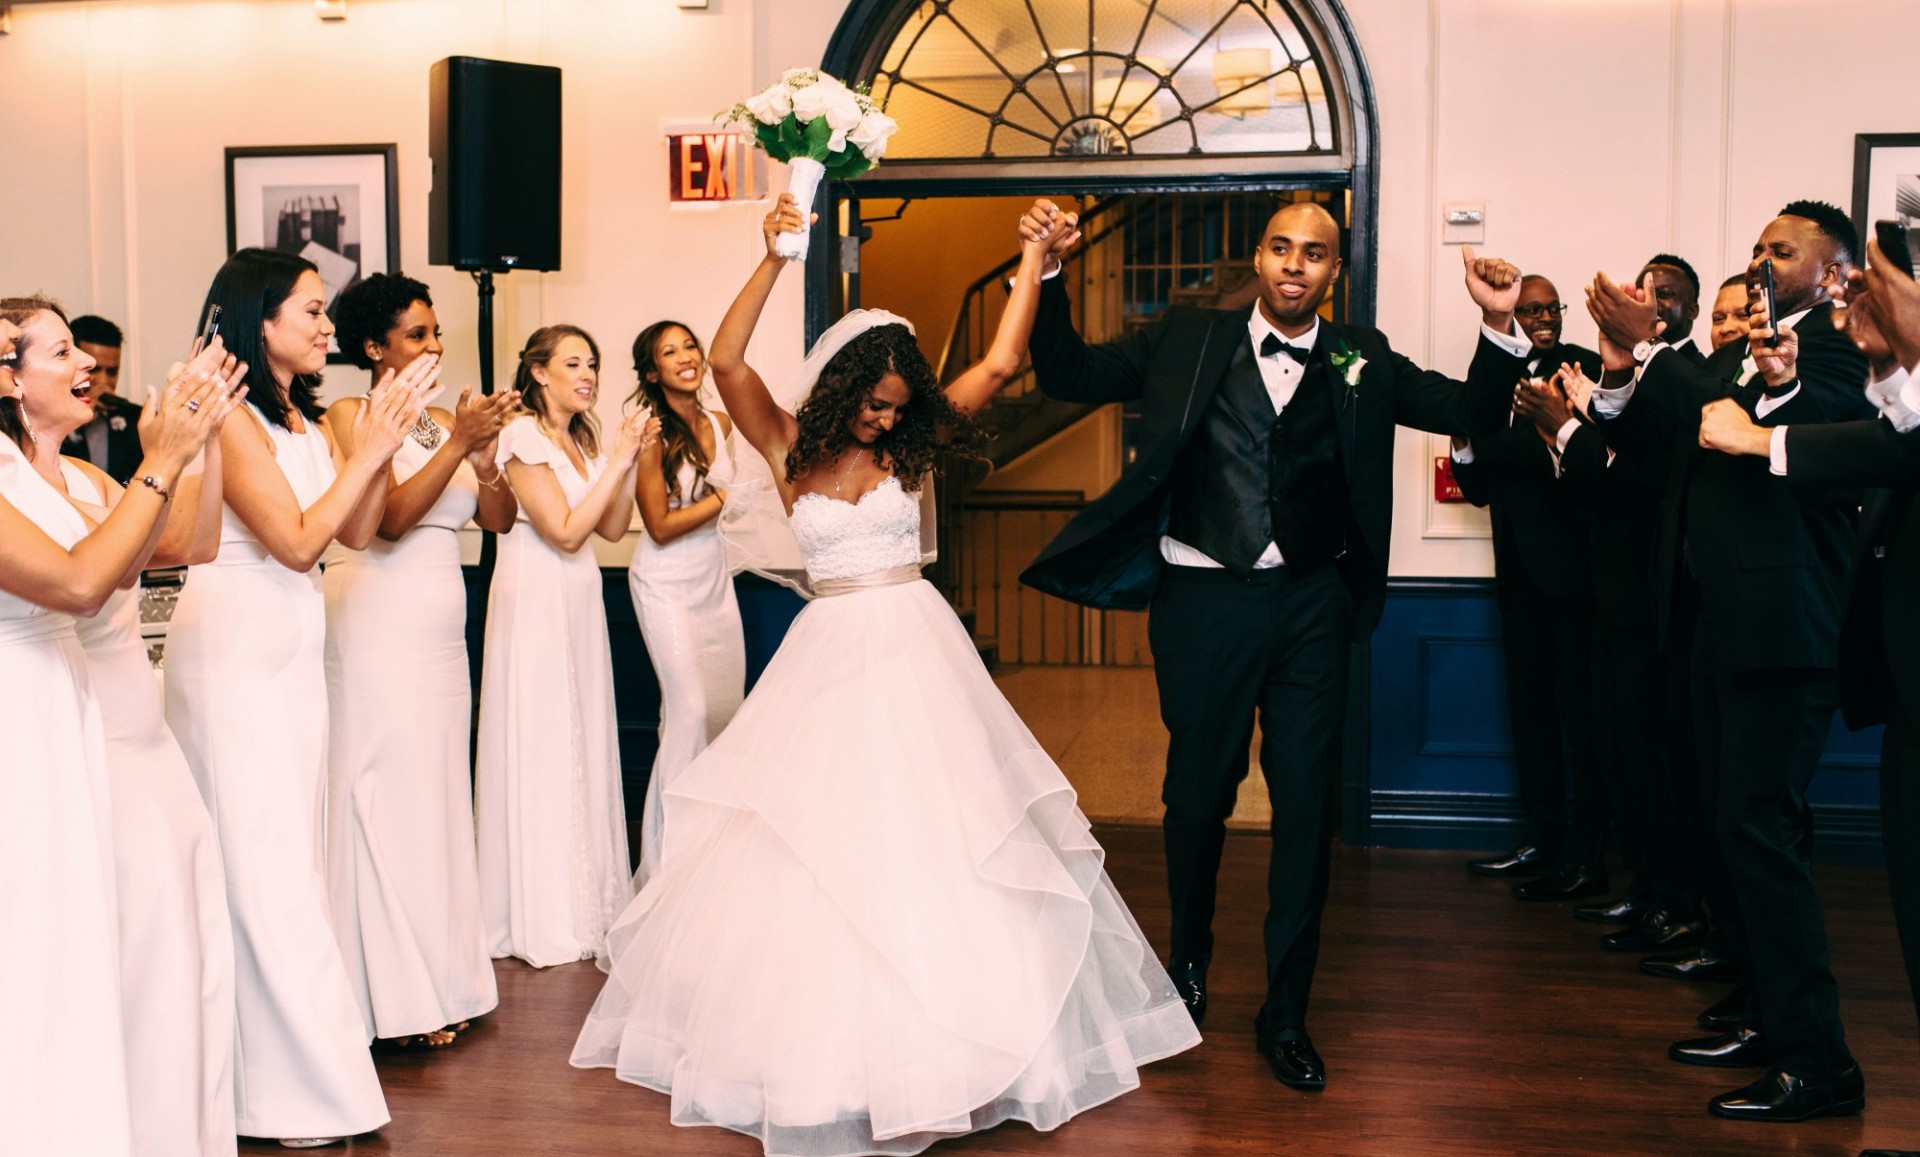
pixel 1271 344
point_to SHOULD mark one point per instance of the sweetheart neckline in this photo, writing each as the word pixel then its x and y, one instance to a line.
pixel 855 503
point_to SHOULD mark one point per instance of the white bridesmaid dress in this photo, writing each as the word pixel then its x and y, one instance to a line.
pixel 880 919
pixel 552 824
pixel 246 692
pixel 63 1069
pixel 400 854
pixel 176 938
pixel 683 596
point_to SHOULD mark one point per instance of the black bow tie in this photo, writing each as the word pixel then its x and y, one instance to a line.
pixel 1271 344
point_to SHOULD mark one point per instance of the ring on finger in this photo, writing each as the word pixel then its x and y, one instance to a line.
pixel 193 406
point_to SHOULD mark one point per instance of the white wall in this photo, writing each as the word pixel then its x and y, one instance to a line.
pixel 1597 132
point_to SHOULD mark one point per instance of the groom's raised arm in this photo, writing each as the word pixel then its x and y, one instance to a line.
pixel 1431 401
pixel 1067 368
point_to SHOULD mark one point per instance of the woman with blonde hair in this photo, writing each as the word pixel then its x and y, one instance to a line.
pixel 552 824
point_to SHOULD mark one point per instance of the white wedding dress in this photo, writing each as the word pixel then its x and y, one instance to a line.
pixel 63 1069
pixel 176 938
pixel 246 692
pixel 552 823
pixel 400 854
pixel 880 919
pixel 683 596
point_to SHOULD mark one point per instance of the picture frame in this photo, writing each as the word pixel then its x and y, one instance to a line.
pixel 1884 164
pixel 336 205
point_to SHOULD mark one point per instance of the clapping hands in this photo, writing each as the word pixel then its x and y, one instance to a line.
pixel 197 397
pixel 638 433
pixel 395 406
pixel 477 423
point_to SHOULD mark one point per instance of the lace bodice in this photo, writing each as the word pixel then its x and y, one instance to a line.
pixel 844 539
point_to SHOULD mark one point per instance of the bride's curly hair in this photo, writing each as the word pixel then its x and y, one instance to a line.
pixel 927 424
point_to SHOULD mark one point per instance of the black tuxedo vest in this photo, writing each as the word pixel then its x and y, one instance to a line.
pixel 1249 476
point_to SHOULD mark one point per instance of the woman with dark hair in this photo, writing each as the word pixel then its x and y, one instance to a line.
pixel 66 1047
pixel 552 827
pixel 681 586
pixel 246 693
pixel 406 890
pixel 949 953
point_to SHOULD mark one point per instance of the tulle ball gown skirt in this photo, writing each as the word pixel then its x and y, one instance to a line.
pixel 881 918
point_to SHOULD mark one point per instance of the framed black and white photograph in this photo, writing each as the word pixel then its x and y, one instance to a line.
pixel 338 206
pixel 1886 180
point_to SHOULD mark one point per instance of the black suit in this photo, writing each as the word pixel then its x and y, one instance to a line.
pixel 122 422
pixel 1541 544
pixel 1880 631
pixel 1230 642
pixel 1770 562
pixel 1644 716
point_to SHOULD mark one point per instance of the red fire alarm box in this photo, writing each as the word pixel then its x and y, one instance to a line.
pixel 1445 487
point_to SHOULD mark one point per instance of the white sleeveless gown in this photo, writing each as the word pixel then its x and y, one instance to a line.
pixel 400 855
pixel 552 823
pixel 246 692
pixel 63 1068
pixel 176 938
pixel 683 596
pixel 880 920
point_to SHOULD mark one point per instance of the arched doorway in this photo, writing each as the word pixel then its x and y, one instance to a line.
pixel 1107 97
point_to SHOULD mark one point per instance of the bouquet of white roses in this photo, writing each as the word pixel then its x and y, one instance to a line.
pixel 820 128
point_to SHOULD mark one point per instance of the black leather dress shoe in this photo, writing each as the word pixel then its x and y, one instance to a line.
pixel 1742 1048
pixel 1525 860
pixel 1294 1062
pixel 1784 1097
pixel 1658 932
pixel 1693 964
pixel 1627 910
pixel 1563 884
pixel 1727 1013
pixel 1190 981
pixel 1889 1153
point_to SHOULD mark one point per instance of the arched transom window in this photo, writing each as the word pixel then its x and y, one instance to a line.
pixel 1054 79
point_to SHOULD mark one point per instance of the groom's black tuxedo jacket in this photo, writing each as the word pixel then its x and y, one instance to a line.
pixel 1109 555
pixel 1770 558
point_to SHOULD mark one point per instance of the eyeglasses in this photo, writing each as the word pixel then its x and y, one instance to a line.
pixel 1537 309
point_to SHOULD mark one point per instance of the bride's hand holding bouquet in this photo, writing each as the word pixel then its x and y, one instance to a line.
pixel 821 128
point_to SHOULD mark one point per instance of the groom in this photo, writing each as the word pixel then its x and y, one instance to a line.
pixel 1255 524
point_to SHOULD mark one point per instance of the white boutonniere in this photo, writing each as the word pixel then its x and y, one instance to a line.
pixel 1349 362
pixel 117 424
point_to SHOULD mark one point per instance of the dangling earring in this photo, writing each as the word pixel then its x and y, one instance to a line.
pixel 20 404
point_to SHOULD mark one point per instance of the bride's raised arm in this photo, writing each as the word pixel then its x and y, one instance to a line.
pixel 766 427
pixel 979 382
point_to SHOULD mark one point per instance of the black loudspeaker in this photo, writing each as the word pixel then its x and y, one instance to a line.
pixel 495 146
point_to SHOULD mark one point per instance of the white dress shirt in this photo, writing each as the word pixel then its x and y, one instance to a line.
pixel 1610 401
pixel 1897 396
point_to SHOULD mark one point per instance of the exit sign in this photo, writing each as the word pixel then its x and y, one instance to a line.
pixel 711 166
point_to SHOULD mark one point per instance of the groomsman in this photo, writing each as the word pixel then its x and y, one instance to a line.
pixel 1541 534
pixel 1880 632
pixel 1729 320
pixel 1647 758
pixel 1256 524
pixel 1765 644
pixel 111 440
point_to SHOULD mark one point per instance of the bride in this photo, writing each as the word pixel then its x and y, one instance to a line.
pixel 881 919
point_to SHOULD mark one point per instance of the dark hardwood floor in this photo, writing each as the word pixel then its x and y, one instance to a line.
pixel 1453 1020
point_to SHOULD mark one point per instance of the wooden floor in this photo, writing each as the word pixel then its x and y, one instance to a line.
pixel 1453 1021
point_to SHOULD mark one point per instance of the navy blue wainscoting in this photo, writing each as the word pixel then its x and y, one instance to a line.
pixel 1441 758
pixel 766 611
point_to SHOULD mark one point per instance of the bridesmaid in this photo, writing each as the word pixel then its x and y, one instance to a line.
pixel 176 944
pixel 246 695
pixel 406 891
pixel 63 1064
pixel 553 827
pixel 681 585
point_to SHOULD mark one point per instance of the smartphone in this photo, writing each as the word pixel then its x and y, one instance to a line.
pixel 1766 299
pixel 211 329
pixel 1895 242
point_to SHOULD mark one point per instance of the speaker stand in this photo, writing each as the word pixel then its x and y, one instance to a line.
pixel 483 281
